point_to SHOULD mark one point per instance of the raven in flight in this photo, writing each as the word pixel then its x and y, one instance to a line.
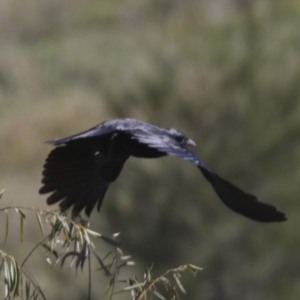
pixel 79 171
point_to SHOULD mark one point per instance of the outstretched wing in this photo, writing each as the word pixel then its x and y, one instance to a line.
pixel 97 131
pixel 107 128
pixel 77 177
pixel 233 197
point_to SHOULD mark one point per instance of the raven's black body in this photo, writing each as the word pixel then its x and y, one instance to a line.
pixel 79 171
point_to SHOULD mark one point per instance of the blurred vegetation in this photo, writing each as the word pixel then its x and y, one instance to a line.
pixel 224 72
pixel 71 242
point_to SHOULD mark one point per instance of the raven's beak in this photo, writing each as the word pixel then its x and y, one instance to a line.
pixel 191 143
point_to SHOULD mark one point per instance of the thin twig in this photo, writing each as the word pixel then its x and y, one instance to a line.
pixel 90 275
pixel 33 249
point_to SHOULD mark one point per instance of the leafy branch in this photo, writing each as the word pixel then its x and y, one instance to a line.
pixel 170 280
pixel 66 240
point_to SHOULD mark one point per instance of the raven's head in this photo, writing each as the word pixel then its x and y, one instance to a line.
pixel 181 138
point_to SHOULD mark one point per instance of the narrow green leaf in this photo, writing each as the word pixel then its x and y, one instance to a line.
pixel 1 193
pixel 181 268
pixel 21 213
pixel 131 287
pixel 93 233
pixel 119 250
pixel 102 265
pixel 65 225
pixel 27 290
pixel 80 236
pixel 158 295
pixel 86 236
pixel 17 279
pixel 6 228
pixel 6 277
pixel 40 226
pixel 13 273
pixel 165 280
pixel 22 216
pixel 125 257
pixel 147 275
pixel 176 277
pixel 52 251
pixel 110 241
pixel 194 269
pixel 115 235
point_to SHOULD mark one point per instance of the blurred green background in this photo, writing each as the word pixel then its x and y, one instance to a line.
pixel 226 73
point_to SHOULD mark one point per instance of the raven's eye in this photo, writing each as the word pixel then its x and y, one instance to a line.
pixel 181 139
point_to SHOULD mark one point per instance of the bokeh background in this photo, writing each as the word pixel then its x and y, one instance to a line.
pixel 225 72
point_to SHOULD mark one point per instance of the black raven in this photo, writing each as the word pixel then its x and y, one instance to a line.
pixel 79 171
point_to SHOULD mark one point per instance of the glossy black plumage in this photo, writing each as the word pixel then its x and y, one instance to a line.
pixel 79 170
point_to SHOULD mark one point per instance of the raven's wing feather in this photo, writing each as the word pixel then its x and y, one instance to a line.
pixel 106 128
pixel 76 178
pixel 97 131
pixel 233 197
